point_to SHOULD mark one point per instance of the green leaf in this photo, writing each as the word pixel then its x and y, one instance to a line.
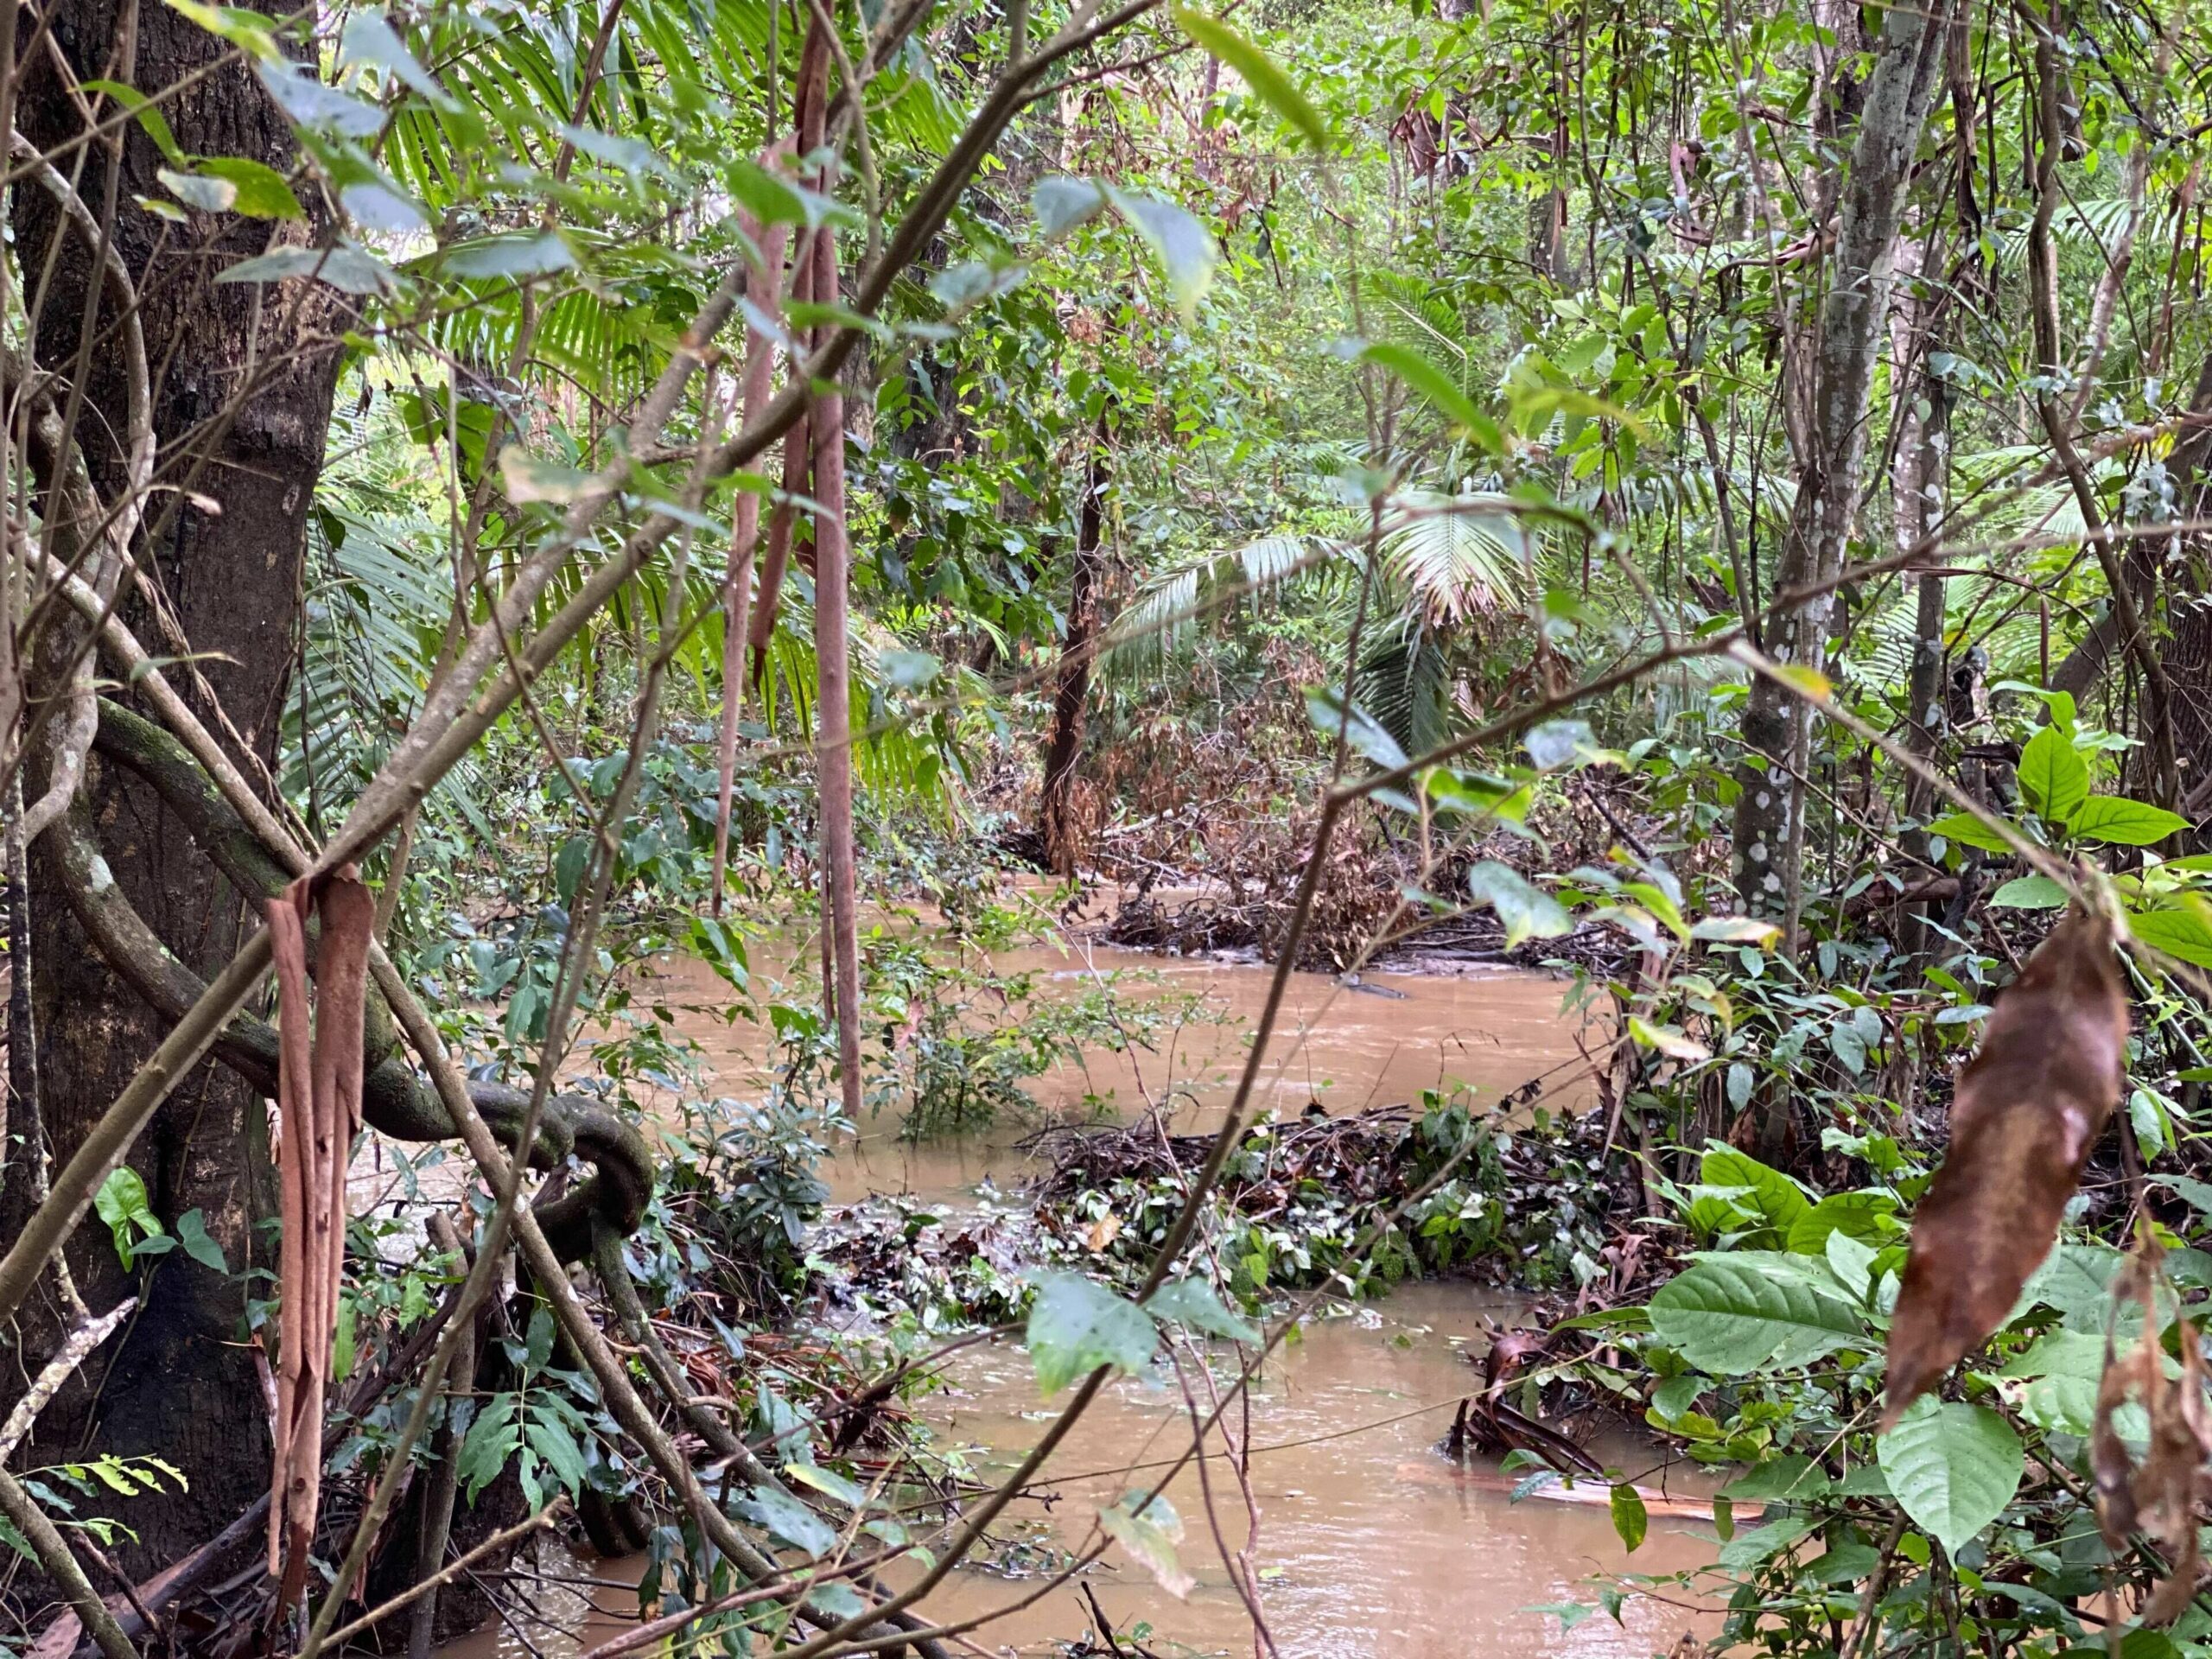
pixel 1776 1199
pixel 1629 1519
pixel 192 1234
pixel 491 1440
pixel 2183 930
pixel 1869 1217
pixel 786 1517
pixel 121 1203
pixel 2030 892
pixel 1730 1315
pixel 1185 248
pixel 1063 204
pixel 2055 779
pixel 1431 382
pixel 1969 831
pixel 1527 912
pixel 370 39
pixel 1260 72
pixel 1953 1466
pixel 209 195
pixel 262 192
pixel 147 113
pixel 311 105
pixel 249 31
pixel 350 271
pixel 1324 708
pixel 2076 1280
pixel 1151 1537
pixel 1076 1325
pixel 1192 1302
pixel 2123 822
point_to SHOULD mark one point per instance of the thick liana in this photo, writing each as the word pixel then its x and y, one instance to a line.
pixel 2030 1105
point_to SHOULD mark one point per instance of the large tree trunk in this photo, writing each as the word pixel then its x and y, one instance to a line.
pixel 1769 809
pixel 178 1381
pixel 1056 824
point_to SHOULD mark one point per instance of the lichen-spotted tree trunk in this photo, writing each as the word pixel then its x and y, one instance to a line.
pixel 1056 825
pixel 1768 808
pixel 178 1382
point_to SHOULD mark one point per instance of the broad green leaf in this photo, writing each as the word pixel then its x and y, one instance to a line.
pixel 121 1202
pixel 1668 1040
pixel 1869 1217
pixel 1969 831
pixel 350 271
pixel 1151 1537
pixel 2123 822
pixel 1953 1466
pixel 1185 248
pixel 2060 1372
pixel 1775 1198
pixel 1733 1314
pixel 2184 931
pixel 1324 708
pixel 310 104
pixel 2030 892
pixel 192 1234
pixel 491 1440
pixel 1631 1520
pixel 2076 1280
pixel 2055 779
pixel 779 1513
pixel 1260 72
pixel 1063 204
pixel 1527 912
pixel 1558 743
pixel 1076 1325
pixel 1192 1302
pixel 262 192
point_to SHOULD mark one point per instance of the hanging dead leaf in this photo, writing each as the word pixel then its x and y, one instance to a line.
pixel 1103 1232
pixel 2029 1107
pixel 2159 1495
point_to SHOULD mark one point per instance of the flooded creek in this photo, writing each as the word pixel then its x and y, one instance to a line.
pixel 1368 1541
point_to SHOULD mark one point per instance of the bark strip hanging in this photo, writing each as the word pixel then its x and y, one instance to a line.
pixel 318 1107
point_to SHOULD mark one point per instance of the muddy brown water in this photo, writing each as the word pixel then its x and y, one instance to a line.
pixel 1368 1542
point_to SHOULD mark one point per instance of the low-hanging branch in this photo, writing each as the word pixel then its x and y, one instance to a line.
pixel 397 1099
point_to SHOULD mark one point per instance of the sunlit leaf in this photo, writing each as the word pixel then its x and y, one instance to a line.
pixel 2053 777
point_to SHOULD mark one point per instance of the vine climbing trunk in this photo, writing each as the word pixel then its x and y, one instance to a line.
pixel 1056 825
pixel 1769 804
pixel 240 409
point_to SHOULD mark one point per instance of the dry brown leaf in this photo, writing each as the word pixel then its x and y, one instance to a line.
pixel 2158 1496
pixel 2029 1107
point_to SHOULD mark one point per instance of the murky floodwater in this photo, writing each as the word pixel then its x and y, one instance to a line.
pixel 1368 1542
pixel 1379 1043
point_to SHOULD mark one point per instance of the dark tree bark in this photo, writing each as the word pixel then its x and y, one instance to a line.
pixel 1063 746
pixel 241 406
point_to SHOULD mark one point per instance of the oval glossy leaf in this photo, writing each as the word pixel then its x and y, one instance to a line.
pixel 262 192
pixel 1731 1315
pixel 2053 777
pixel 2030 892
pixel 1967 830
pixel 2123 822
pixel 2184 930
pixel 1953 1466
